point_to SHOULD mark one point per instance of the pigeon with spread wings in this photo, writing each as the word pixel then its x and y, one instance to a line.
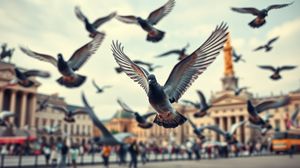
pixel 237 57
pixel 202 106
pixel 180 52
pixel 69 113
pixel 276 71
pixel 92 27
pixel 260 14
pixel 23 78
pixel 4 115
pixel 100 89
pixel 267 46
pixel 67 68
pixel 182 76
pixel 198 131
pixel 154 35
pixel 141 119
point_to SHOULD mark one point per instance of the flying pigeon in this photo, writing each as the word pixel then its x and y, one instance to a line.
pixel 276 71
pixel 267 46
pixel 4 115
pixel 229 138
pixel 67 68
pixel 107 137
pixel 23 78
pixel 203 106
pixel 236 57
pixel 43 104
pixel 199 130
pixel 260 14
pixel 294 116
pixel 154 35
pixel 100 89
pixel 141 119
pixel 149 66
pixel 51 129
pixel 181 52
pixel 92 27
pixel 237 91
pixel 69 114
pixel 182 76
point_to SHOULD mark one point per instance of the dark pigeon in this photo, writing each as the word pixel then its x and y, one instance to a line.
pixel 154 35
pixel 198 131
pixel 294 121
pixel 43 104
pixel 69 114
pixel 149 66
pixel 237 57
pixel 182 76
pixel 260 14
pixel 67 68
pixel 23 78
pixel 180 52
pixel 267 46
pixel 100 89
pixel 203 105
pixel 237 91
pixel 92 27
pixel 276 71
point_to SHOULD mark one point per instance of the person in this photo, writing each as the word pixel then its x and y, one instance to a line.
pixel 64 153
pixel 143 151
pixel 53 156
pixel 105 155
pixel 74 151
pixel 46 151
pixel 291 151
pixel 133 150
pixel 3 152
pixel 197 149
pixel 122 154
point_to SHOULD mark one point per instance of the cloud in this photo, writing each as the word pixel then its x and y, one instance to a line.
pixel 286 30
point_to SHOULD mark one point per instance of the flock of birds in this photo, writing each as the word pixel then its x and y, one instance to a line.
pixel 160 97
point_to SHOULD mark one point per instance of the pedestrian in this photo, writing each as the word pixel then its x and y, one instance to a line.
pixel 133 150
pixel 106 150
pixel 197 149
pixel 46 151
pixel 291 151
pixel 64 154
pixel 143 151
pixel 74 151
pixel 53 156
pixel 122 154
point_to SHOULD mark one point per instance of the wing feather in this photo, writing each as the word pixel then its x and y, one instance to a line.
pixel 161 12
pixel 39 56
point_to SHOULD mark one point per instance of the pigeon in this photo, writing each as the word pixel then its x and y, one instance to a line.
pixel 92 27
pixel 199 130
pixel 154 35
pixel 6 52
pixel 4 115
pixel 237 90
pixel 43 104
pixel 107 137
pixel 150 66
pixel 267 46
pixel 260 14
pixel 236 57
pixel 67 68
pixel 276 71
pixel 141 119
pixel 181 52
pixel 294 122
pixel 51 129
pixel 203 106
pixel 100 89
pixel 23 78
pixel 229 136
pixel 182 76
pixel 69 114
pixel 263 128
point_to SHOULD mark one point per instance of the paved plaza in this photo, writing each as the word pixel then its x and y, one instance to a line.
pixel 248 162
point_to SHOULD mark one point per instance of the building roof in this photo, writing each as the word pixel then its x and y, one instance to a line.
pixel 123 114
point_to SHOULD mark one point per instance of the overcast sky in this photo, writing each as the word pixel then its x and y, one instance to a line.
pixel 51 27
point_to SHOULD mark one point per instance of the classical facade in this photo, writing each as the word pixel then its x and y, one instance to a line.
pixel 24 103
pixel 227 109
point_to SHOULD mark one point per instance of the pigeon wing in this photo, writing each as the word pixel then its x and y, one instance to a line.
pixel 124 106
pixel 148 115
pixel 39 56
pixel 132 70
pixel 267 67
pixel 5 114
pixel 287 67
pixel 251 109
pixel 59 108
pixel 38 73
pixel 294 117
pixel 217 130
pixel 169 52
pixel 79 14
pixel 277 6
pixel 81 55
pixel 259 48
pixel 187 70
pixel 235 126
pixel 161 12
pixel 202 98
pixel 275 104
pixel 273 40
pixel 95 85
pixel 130 19
pixel 102 20
pixel 252 11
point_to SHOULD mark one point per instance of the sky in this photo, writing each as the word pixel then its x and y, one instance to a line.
pixel 51 27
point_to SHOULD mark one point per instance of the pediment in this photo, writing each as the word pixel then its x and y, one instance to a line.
pixel 6 74
pixel 227 99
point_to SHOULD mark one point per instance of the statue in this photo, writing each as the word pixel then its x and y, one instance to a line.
pixel 6 52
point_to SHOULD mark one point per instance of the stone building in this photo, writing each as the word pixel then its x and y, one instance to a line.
pixel 227 109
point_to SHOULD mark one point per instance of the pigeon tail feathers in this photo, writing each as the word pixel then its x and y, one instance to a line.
pixel 155 35
pixel 71 82
pixel 256 23
pixel 172 122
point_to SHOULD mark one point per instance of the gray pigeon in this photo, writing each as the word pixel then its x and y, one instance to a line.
pixel 67 68
pixel 276 71
pixel 237 91
pixel 42 104
pixel 182 76
pixel 23 78
pixel 51 129
pixel 92 27
pixel 263 128
pixel 100 89
pixel 203 105
pixel 267 46
pixel 107 137
pixel 199 130
pixel 294 121
pixel 154 35
pixel 260 14
pixel 141 119
pixel 181 52
pixel 237 57
pixel 149 66
pixel 69 114
pixel 4 115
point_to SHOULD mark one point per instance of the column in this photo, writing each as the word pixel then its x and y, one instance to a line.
pixel 12 106
pixel 247 131
pixel 221 126
pixel 32 110
pixel 239 130
pixel 1 99
pixel 23 116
